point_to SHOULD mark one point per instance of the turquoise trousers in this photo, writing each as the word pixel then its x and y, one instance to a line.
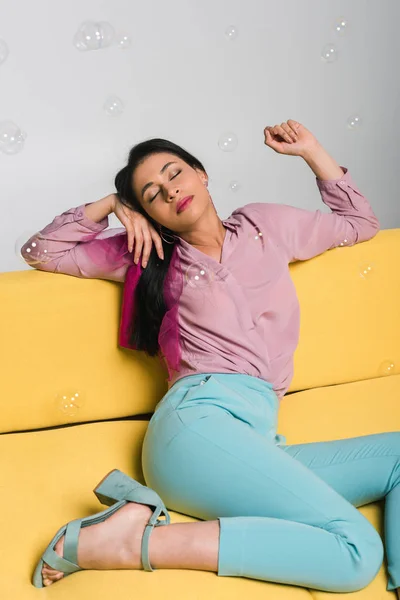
pixel 287 512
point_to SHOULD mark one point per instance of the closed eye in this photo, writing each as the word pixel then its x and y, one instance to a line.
pixel 151 200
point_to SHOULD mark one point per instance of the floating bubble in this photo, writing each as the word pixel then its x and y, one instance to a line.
pixel 387 367
pixel 11 137
pixel 113 106
pixel 367 270
pixel 341 26
pixel 123 41
pixel 329 53
pixel 231 32
pixel 354 122
pixel 256 235
pixel 3 51
pixel 234 186
pixel 32 248
pixel 69 402
pixel 228 142
pixel 345 242
pixel 94 36
pixel 199 275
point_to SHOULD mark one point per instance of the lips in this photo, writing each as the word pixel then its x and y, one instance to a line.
pixel 182 202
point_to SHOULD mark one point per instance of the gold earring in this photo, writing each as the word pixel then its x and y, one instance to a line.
pixel 171 235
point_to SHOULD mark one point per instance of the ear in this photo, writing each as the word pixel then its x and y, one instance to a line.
pixel 202 176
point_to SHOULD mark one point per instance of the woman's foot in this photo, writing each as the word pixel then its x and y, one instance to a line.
pixel 116 543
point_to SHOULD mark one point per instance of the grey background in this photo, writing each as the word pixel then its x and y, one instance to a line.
pixel 182 79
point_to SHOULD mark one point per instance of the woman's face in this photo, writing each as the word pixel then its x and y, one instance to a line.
pixel 164 179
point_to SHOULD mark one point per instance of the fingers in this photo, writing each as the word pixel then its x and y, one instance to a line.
pixel 294 125
pixel 141 235
pixel 138 239
pixel 151 236
pixel 131 235
pixel 147 244
pixel 286 132
pixel 144 239
pixel 157 242
pixel 278 130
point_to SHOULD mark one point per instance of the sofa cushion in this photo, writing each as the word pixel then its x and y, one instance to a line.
pixel 48 477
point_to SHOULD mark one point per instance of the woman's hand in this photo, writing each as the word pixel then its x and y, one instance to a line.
pixel 290 138
pixel 140 231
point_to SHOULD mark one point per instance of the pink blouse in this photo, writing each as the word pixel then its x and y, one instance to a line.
pixel 237 316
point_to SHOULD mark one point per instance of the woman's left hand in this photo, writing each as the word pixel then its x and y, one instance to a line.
pixel 290 138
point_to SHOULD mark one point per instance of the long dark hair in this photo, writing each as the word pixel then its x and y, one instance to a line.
pixel 150 306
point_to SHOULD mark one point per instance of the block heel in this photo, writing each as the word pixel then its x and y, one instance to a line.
pixel 117 486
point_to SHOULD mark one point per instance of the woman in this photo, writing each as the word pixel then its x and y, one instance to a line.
pixel 268 510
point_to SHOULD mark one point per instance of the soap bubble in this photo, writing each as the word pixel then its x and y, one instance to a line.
pixel 69 402
pixel 256 235
pixel 387 367
pixel 123 41
pixel 329 53
pixel 3 51
pixel 228 142
pixel 344 242
pixel 231 32
pixel 94 36
pixel 367 270
pixel 199 275
pixel 234 186
pixel 354 122
pixel 11 137
pixel 341 26
pixel 31 248
pixel 113 106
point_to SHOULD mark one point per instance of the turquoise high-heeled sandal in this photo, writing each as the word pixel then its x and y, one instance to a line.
pixel 115 490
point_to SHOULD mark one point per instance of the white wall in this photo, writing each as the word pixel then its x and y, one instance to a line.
pixel 183 80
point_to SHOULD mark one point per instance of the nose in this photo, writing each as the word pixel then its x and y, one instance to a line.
pixel 172 194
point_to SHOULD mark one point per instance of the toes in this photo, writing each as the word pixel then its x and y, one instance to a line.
pixel 46 569
pixel 51 579
pixel 49 570
pixel 50 575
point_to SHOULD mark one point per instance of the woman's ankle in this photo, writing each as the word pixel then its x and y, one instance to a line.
pixel 185 546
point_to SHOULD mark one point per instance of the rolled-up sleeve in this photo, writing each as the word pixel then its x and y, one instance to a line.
pixel 72 244
pixel 303 234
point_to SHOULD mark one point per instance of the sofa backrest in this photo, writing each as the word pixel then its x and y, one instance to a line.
pixel 350 313
pixel 59 337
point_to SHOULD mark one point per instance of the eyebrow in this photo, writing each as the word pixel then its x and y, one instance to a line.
pixel 161 172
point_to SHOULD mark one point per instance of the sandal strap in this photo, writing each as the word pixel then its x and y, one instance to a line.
pixel 71 538
pixel 68 562
pixel 153 522
pixel 58 562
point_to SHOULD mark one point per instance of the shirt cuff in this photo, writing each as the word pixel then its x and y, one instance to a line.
pixel 331 183
pixel 79 216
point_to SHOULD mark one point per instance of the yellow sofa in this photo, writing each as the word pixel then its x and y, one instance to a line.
pixel 59 337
